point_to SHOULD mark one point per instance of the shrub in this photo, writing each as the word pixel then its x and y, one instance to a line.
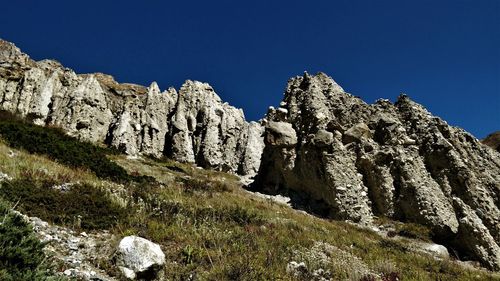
pixel 21 253
pixel 83 206
pixel 407 229
pixel 243 216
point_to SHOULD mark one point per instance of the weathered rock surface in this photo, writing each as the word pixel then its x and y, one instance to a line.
pixel 139 258
pixel 493 141
pixel 391 160
pixel 207 131
pixel 78 254
pixel 192 125
pixel 435 249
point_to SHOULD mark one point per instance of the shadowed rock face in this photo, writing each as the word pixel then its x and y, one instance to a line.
pixel 192 125
pixel 356 160
pixel 392 160
pixel 493 141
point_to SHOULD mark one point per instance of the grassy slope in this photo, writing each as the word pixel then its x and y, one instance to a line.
pixel 209 227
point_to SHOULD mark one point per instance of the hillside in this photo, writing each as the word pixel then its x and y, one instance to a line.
pixel 209 227
pixel 228 199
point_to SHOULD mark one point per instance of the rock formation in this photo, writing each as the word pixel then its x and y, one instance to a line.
pixel 493 141
pixel 358 160
pixel 192 125
pixel 391 160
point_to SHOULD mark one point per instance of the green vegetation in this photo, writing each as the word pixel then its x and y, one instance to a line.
pixel 414 231
pixel 21 253
pixel 408 230
pixel 82 206
pixel 228 234
pixel 194 184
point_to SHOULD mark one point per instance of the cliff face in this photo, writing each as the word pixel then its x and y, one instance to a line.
pixel 391 160
pixel 192 125
pixel 359 160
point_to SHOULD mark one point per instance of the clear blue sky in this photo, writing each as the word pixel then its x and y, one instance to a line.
pixel 445 54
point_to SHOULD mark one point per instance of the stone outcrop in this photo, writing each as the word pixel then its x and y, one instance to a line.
pixel 207 131
pixel 391 160
pixel 192 125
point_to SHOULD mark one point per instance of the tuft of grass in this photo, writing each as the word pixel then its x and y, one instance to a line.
pixel 408 230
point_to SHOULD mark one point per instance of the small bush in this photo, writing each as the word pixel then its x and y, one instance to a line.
pixel 21 253
pixel 246 269
pixel 407 229
pixel 83 206
pixel 176 167
pixel 244 216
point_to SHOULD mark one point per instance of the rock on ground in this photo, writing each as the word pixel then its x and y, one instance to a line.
pixel 139 258
pixel 78 254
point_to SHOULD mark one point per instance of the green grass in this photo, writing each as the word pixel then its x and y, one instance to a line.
pixel 408 230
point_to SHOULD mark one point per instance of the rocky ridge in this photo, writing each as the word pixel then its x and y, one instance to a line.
pixel 192 125
pixel 359 161
pixel 389 160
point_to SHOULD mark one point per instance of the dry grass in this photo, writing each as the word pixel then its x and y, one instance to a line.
pixel 18 164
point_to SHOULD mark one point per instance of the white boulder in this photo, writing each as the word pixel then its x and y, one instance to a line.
pixel 139 258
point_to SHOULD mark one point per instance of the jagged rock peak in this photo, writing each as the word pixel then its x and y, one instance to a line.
pixel 357 161
pixel 9 53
